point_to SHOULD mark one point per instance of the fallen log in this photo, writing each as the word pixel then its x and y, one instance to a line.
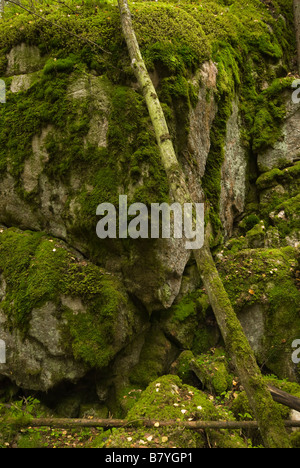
pixel 284 398
pixel 108 423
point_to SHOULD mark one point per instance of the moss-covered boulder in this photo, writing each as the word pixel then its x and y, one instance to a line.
pixel 167 398
pixel 60 314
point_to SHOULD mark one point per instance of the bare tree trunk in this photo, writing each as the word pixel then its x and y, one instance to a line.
pixel 297 28
pixel 266 412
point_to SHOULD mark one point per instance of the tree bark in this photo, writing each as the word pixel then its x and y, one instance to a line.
pixel 296 4
pixel 284 398
pixel 266 413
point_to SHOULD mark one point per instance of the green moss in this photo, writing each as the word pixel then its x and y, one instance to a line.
pixel 249 222
pixel 152 361
pixel 242 410
pixel 291 221
pixel 154 23
pixel 131 160
pixel 183 368
pixel 38 269
pixel 189 306
pixel 280 188
pixel 267 278
pixel 167 398
pixel 190 322
pixel 255 237
pixel 175 39
pixel 275 176
pixel 254 270
pixel 213 371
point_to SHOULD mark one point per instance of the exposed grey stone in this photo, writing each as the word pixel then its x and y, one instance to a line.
pixel 34 165
pixel 202 116
pixel 253 322
pixel 28 361
pixel 45 328
pixel 234 172
pixel 24 59
pixel 20 83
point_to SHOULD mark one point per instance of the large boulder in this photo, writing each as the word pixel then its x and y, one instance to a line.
pixel 60 315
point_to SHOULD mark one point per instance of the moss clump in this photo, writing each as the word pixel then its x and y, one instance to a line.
pixel 213 372
pixel 249 222
pixel 190 323
pixel 276 176
pixel 167 398
pixel 38 269
pixel 246 275
pixel 287 217
pixel 279 205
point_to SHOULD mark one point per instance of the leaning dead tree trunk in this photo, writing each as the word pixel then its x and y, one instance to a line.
pixel 266 412
pixel 297 28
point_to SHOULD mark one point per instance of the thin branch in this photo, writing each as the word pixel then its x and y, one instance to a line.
pixel 192 425
pixel 60 27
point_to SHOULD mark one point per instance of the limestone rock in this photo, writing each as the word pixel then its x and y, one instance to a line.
pixel 85 326
pixel 234 174
pixel 202 116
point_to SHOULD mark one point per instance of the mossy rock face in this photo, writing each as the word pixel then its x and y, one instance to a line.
pixel 85 142
pixel 75 132
pixel 24 59
pixel 190 322
pixel 60 314
pixel 286 150
pixel 263 287
pixel 99 148
pixel 156 357
pixel 167 398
